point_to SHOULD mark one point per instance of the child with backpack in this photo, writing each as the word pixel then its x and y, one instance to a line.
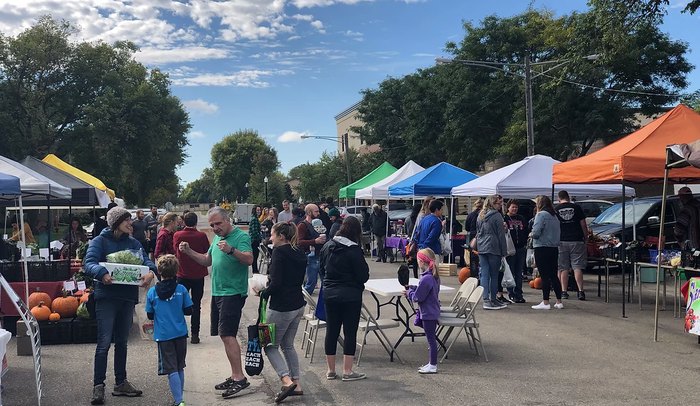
pixel 167 303
pixel 426 294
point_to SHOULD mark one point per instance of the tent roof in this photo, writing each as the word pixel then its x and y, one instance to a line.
pixel 380 190
pixel 9 185
pixel 33 183
pixel 56 162
pixel 639 157
pixel 438 180
pixel 530 177
pixel 379 173
pixel 83 193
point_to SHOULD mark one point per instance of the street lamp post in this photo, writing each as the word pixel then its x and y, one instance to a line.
pixel 265 180
pixel 346 146
pixel 528 76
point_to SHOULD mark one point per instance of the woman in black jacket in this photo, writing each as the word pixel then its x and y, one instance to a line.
pixel 344 272
pixel 286 305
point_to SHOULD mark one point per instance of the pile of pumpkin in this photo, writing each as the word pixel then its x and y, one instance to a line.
pixel 536 283
pixel 65 306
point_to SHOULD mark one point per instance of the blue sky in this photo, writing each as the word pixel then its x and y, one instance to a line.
pixel 286 67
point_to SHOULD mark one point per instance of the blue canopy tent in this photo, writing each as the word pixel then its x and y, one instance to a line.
pixel 9 185
pixel 438 180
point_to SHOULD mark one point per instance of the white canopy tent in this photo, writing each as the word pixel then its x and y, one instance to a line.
pixel 33 184
pixel 380 190
pixel 530 177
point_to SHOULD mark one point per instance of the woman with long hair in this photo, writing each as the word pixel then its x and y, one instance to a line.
pixel 545 239
pixel 164 242
pixel 491 245
pixel 286 306
pixel 344 271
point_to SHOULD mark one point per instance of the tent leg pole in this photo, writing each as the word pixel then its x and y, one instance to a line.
pixel 24 254
pixel 623 251
pixel 660 247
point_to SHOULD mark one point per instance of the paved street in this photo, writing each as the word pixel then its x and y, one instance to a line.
pixel 584 354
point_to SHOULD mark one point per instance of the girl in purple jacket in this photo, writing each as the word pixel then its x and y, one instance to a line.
pixel 426 295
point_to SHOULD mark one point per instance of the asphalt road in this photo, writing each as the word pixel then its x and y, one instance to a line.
pixel 584 354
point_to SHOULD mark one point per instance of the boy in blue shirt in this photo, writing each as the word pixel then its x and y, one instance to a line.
pixel 167 303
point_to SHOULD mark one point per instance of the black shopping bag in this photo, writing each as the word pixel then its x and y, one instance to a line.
pixel 253 354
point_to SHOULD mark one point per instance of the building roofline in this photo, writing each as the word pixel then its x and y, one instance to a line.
pixel 347 111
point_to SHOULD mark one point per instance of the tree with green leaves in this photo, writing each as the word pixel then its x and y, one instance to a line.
pixel 94 106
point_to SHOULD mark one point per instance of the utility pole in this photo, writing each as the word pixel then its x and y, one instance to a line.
pixel 529 116
pixel 346 145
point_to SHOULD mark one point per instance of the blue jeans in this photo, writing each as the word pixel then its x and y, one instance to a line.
pixel 114 319
pixel 489 266
pixel 517 265
pixel 312 266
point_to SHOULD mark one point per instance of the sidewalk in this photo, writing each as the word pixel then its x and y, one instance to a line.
pixel 584 354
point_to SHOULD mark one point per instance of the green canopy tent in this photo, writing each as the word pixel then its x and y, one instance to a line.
pixel 379 173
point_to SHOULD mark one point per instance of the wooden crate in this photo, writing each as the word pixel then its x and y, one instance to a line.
pixel 447 269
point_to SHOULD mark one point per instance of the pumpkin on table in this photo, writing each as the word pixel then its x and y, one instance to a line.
pixel 38 296
pixel 65 305
pixel 54 317
pixel 41 312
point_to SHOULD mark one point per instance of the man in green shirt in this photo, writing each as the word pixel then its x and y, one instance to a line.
pixel 229 256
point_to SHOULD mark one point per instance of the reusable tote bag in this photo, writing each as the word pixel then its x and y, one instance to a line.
pixel 266 331
pixel 253 355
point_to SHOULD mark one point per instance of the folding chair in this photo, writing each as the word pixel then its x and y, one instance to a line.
pixel 464 291
pixel 265 258
pixel 311 327
pixel 377 326
pixel 464 320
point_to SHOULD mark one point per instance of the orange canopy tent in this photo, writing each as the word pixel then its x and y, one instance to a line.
pixel 639 157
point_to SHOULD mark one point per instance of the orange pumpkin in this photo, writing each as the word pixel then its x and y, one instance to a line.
pixel 66 306
pixel 84 298
pixel 532 284
pixel 36 297
pixel 41 312
pixel 537 283
pixel 464 274
pixel 54 317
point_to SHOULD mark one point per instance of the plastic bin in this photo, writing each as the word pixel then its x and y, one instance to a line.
pixel 56 332
pixel 84 331
pixel 647 274
pixel 12 271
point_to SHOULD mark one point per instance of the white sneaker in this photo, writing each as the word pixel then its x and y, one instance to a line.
pixel 428 369
pixel 542 306
pixel 559 305
pixel 424 366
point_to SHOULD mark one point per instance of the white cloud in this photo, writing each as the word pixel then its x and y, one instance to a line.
pixel 244 78
pixel 201 106
pixel 357 36
pixel 183 54
pixel 291 136
pixel 318 25
pixel 303 17
pixel 424 55
pixel 197 134
pixel 323 3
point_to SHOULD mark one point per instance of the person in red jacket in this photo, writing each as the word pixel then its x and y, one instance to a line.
pixel 164 242
pixel 191 274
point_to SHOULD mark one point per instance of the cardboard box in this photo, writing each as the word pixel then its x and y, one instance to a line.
pixel 125 274
pixel 447 269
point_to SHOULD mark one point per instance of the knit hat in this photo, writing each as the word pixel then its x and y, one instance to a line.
pixel 334 212
pixel 116 215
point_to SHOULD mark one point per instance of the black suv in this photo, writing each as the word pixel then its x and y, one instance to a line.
pixel 645 212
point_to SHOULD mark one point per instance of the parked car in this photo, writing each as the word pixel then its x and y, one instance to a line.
pixel 593 208
pixel 352 211
pixel 644 214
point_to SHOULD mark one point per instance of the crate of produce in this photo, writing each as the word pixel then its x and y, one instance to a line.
pixel 84 331
pixel 125 274
pixel 12 271
pixel 58 270
pixel 56 332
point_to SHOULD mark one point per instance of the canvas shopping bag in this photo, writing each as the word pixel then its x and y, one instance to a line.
pixel 266 331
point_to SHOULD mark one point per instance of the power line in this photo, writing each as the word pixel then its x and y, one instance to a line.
pixel 613 90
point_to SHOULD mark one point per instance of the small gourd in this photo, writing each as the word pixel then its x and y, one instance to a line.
pixel 54 317
pixel 41 312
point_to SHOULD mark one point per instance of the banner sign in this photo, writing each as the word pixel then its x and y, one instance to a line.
pixel 692 311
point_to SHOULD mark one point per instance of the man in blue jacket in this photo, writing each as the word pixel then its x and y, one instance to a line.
pixel 114 303
pixel 430 228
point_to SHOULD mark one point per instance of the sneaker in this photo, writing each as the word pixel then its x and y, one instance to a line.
pixel 542 306
pixel 227 384
pixel 559 305
pixel 581 295
pixel 126 389
pixel 489 306
pixel 564 295
pixel 355 376
pixel 520 300
pixel 331 376
pixel 237 387
pixel 423 366
pixel 505 300
pixel 98 395
pixel 179 404
pixel 428 369
pixel 194 339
